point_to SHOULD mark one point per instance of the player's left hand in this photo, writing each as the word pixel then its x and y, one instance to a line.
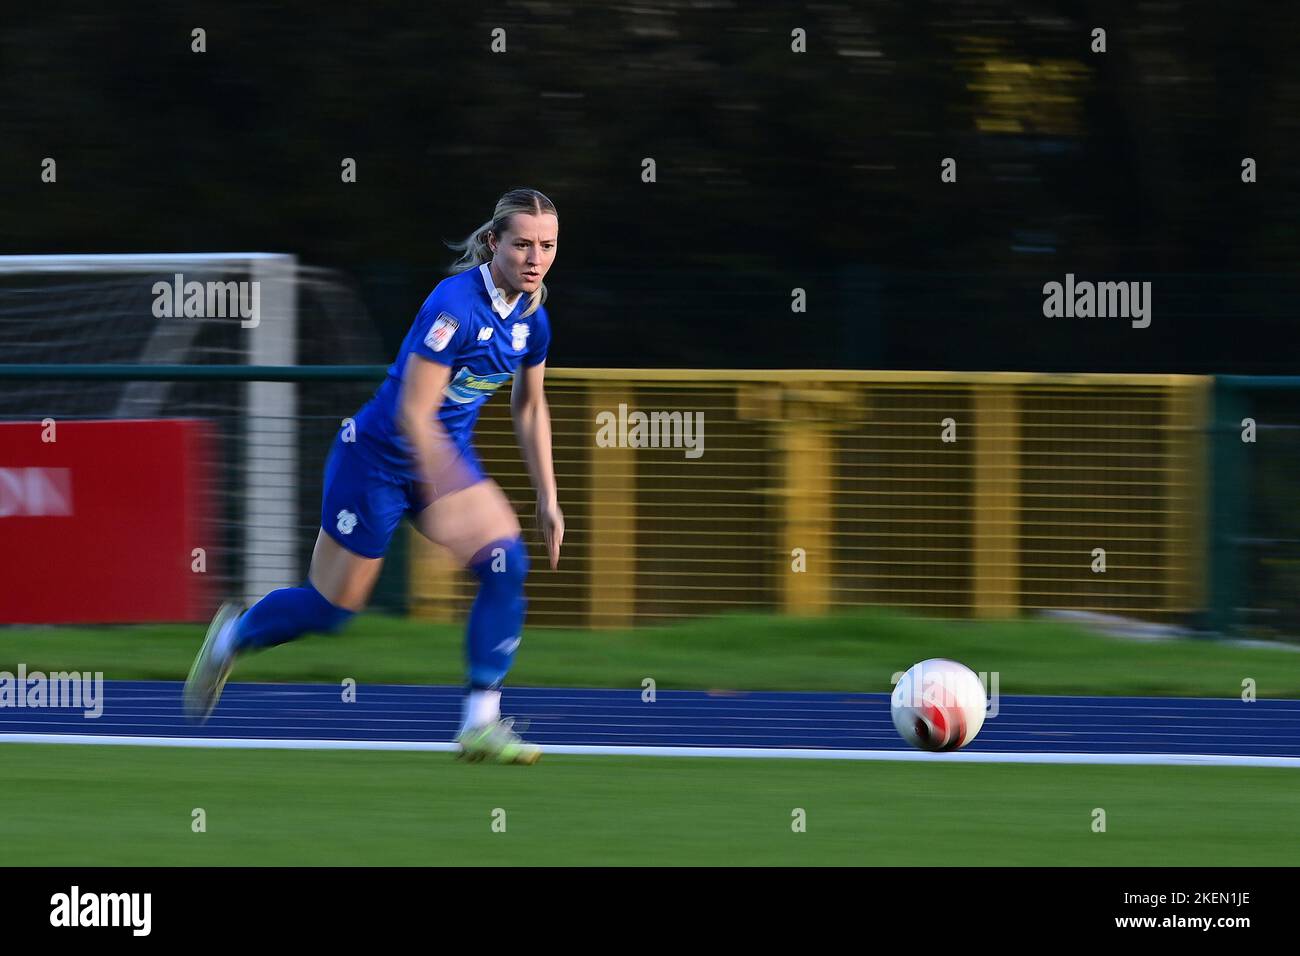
pixel 550 522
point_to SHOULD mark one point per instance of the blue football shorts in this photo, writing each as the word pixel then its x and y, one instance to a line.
pixel 362 503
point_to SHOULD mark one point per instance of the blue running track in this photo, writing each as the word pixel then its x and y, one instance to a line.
pixel 1139 730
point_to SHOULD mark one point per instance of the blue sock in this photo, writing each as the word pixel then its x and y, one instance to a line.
pixel 496 619
pixel 288 613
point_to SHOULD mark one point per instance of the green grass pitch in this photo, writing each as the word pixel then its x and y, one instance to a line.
pixel 125 806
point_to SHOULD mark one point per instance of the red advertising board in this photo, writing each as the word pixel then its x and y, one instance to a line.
pixel 100 524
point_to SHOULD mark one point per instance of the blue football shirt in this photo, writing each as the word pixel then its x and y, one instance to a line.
pixel 465 324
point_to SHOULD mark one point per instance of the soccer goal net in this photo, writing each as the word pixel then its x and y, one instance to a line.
pixel 181 312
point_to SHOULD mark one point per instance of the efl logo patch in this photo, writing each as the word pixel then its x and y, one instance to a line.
pixel 440 333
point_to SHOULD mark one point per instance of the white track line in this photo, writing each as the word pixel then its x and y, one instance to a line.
pixel 780 753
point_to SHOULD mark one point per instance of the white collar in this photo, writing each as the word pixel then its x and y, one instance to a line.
pixel 499 303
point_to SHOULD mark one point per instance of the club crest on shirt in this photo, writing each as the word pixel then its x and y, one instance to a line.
pixel 440 333
pixel 518 336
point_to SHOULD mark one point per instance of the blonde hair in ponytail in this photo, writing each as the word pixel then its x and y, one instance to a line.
pixel 475 250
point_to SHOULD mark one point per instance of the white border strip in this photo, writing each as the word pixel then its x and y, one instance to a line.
pixel 778 753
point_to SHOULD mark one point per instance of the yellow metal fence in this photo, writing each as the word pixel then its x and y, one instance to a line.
pixel 953 494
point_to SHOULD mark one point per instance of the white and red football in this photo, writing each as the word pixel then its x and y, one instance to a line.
pixel 938 705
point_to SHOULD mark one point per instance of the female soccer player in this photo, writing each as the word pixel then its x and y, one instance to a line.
pixel 411 454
